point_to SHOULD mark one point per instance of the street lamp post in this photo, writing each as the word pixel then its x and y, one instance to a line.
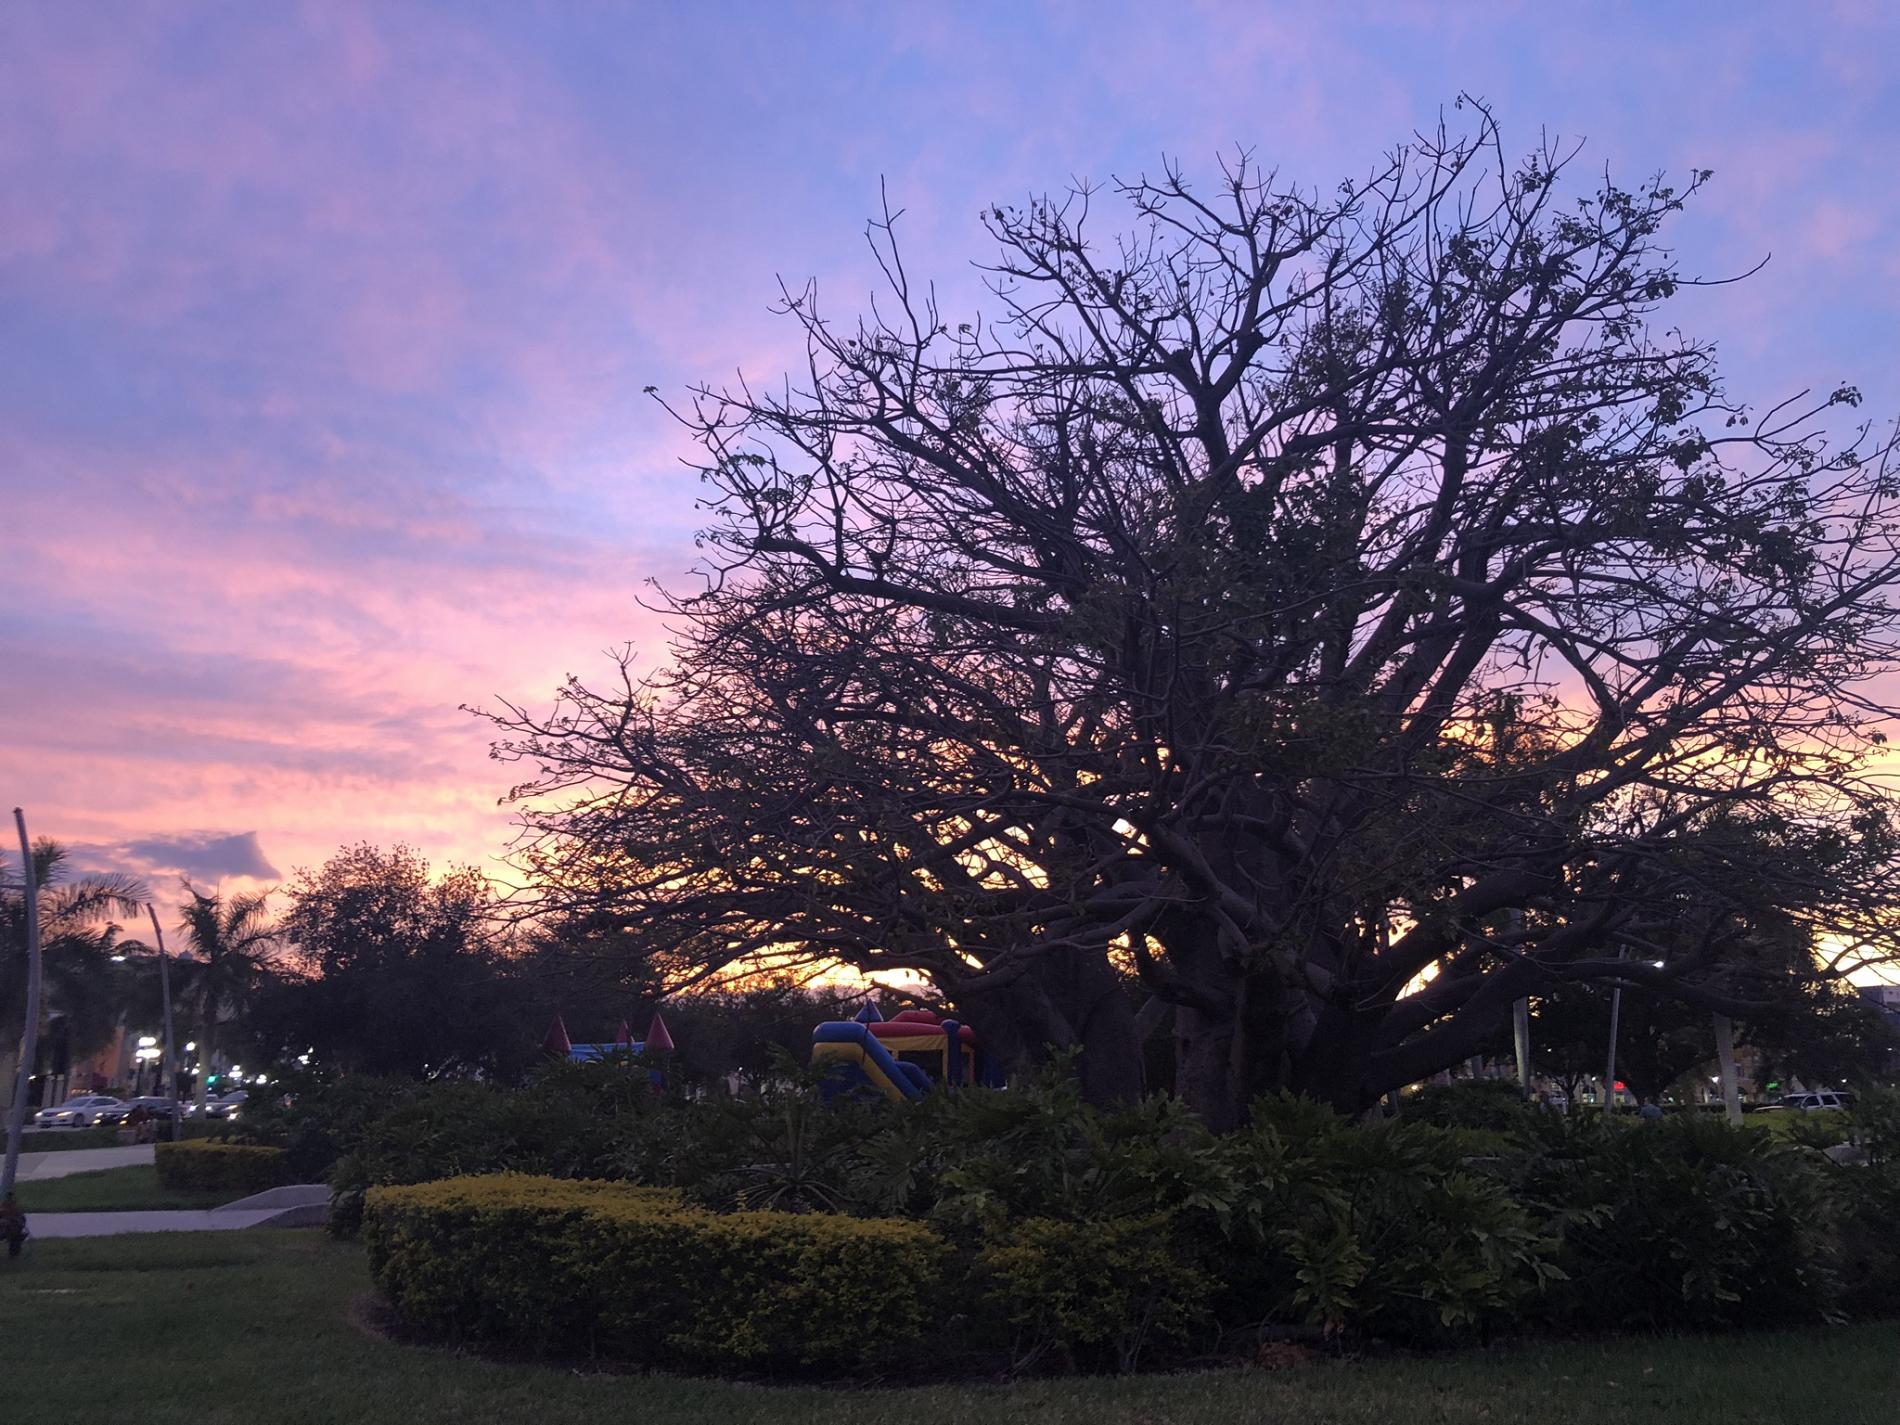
pixel 12 1223
pixel 170 1059
pixel 1609 1068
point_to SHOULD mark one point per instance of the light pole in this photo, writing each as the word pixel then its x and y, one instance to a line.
pixel 11 1221
pixel 170 1059
pixel 1609 1068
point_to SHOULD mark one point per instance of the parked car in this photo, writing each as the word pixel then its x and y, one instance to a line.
pixel 82 1111
pixel 1816 1102
pixel 153 1105
pixel 226 1105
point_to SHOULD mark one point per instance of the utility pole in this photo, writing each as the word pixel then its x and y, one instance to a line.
pixel 12 1223
pixel 1609 1067
pixel 170 1061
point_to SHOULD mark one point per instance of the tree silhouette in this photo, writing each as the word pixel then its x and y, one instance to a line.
pixel 77 942
pixel 1287 599
pixel 231 939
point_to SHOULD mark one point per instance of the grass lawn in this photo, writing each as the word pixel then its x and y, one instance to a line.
pixel 133 1189
pixel 230 1328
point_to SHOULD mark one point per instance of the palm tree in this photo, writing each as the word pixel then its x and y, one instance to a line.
pixel 231 939
pixel 76 941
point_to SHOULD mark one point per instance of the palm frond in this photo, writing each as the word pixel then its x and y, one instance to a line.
pixel 93 898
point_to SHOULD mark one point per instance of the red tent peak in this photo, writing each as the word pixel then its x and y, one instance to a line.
pixel 658 1040
pixel 557 1042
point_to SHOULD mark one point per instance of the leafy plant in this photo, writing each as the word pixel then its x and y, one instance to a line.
pixel 1683 1224
pixel 1386 1230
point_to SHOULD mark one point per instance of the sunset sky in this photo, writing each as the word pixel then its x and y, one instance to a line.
pixel 325 328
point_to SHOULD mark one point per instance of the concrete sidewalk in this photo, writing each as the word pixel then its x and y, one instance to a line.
pixel 111 1224
pixel 301 1205
pixel 37 1167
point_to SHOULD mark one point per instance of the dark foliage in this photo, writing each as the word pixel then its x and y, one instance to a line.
pixel 1407 1230
pixel 1287 594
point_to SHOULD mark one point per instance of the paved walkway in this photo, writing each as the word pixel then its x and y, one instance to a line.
pixel 301 1205
pixel 111 1224
pixel 38 1167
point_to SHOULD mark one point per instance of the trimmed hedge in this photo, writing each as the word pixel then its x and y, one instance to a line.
pixel 596 1268
pixel 207 1165
pixel 67 1140
pixel 1057 1235
pixel 1095 1293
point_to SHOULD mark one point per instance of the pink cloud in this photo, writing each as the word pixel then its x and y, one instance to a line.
pixel 332 417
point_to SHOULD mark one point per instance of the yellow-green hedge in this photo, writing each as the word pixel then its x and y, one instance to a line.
pixel 202 1165
pixel 1098 1291
pixel 635 1274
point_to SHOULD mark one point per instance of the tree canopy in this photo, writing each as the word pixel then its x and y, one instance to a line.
pixel 393 971
pixel 1338 613
pixel 78 940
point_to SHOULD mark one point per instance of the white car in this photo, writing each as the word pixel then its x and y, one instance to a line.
pixel 84 1111
pixel 1816 1102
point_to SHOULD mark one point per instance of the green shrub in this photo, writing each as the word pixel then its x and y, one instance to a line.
pixel 779 1147
pixel 986 1159
pixel 1868 1207
pixel 1414 1230
pixel 1492 1105
pixel 1391 1230
pixel 1875 1123
pixel 318 1119
pixel 458 1129
pixel 1096 1293
pixel 206 1165
pixel 1684 1224
pixel 638 1275
pixel 62 1140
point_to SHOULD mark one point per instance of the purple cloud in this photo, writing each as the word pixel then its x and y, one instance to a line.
pixel 320 404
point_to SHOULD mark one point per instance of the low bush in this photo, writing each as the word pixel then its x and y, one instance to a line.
pixel 639 1275
pixel 1399 1230
pixel 1092 1238
pixel 1494 1105
pixel 1683 1224
pixel 61 1140
pixel 1874 1123
pixel 983 1160
pixel 1869 1260
pixel 207 1165
pixel 317 1119
pixel 1094 1294
pixel 570 1124
pixel 64 1140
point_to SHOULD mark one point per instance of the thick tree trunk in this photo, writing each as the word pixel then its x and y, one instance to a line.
pixel 1070 1002
pixel 1204 1061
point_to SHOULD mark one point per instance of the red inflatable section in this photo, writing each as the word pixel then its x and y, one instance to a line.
pixel 901 1028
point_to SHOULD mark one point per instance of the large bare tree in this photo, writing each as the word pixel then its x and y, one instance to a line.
pixel 1340 613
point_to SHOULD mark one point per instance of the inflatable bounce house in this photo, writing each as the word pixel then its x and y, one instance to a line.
pixel 658 1040
pixel 903 1057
